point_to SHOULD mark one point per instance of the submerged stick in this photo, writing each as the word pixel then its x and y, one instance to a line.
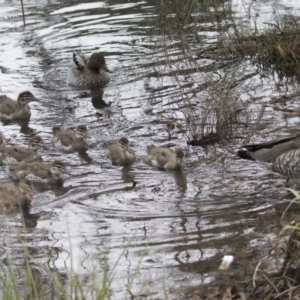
pixel 23 13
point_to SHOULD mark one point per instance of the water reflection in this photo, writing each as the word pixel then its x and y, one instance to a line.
pixel 127 174
pixel 85 157
pixel 180 180
pixel 96 95
pixel 57 187
pixel 23 123
pixel 29 220
pixel 97 98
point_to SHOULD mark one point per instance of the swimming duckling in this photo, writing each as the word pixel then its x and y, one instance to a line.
pixel 71 140
pixel 11 109
pixel 12 155
pixel 3 140
pixel 39 172
pixel 165 158
pixel 13 196
pixel 119 152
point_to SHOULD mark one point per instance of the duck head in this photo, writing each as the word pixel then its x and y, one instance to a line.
pixel 82 132
pixel 58 169
pixel 97 63
pixel 36 143
pixel 25 97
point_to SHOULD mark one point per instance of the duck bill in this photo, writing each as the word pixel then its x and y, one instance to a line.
pixel 105 68
pixel 35 99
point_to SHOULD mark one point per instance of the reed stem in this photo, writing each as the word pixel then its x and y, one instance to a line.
pixel 23 13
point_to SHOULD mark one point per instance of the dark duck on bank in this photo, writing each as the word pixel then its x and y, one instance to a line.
pixel 281 155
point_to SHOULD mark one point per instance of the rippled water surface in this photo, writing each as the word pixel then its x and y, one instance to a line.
pixel 175 227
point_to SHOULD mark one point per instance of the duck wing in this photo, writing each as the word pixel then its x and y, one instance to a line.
pixel 7 105
pixel 67 139
pixel 271 144
pixel 269 151
pixel 80 60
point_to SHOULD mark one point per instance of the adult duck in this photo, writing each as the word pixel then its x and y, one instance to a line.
pixel 281 155
pixel 88 71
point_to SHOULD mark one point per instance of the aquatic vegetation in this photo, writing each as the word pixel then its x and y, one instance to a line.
pixel 45 282
pixel 283 281
pixel 279 46
pixel 220 112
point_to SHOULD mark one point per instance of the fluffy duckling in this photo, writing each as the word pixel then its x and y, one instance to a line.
pixel 3 140
pixel 13 196
pixel 71 140
pixel 88 71
pixel 12 155
pixel 164 158
pixel 11 109
pixel 39 172
pixel 119 152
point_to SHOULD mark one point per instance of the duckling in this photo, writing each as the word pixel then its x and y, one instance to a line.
pixel 13 196
pixel 3 140
pixel 11 109
pixel 281 155
pixel 119 152
pixel 39 172
pixel 88 71
pixel 71 140
pixel 12 155
pixel 165 158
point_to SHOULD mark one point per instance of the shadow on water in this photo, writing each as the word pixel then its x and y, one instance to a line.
pixel 187 220
pixel 85 157
pixel 97 99
pixel 29 220
pixel 127 174
pixel 96 95
pixel 181 181
pixel 23 123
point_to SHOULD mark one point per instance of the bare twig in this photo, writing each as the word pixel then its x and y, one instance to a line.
pixel 286 291
pixel 255 271
pixel 271 283
pixel 23 13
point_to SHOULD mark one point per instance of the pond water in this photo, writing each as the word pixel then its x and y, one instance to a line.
pixel 174 228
